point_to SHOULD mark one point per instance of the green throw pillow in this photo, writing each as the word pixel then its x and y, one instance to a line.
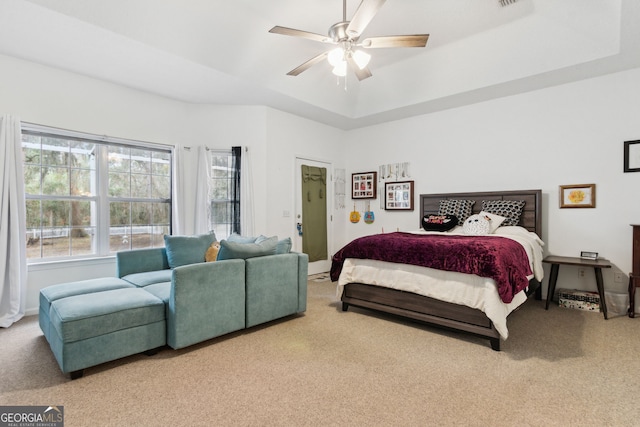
pixel 236 238
pixel 234 250
pixel 283 246
pixel 184 250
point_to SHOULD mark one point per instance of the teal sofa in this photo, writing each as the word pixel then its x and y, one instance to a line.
pixel 150 304
pixel 209 299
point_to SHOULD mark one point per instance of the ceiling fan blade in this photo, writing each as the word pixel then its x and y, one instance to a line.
pixel 361 74
pixel 364 14
pixel 299 33
pixel 307 64
pixel 416 40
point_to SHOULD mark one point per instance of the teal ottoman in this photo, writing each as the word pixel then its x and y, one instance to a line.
pixel 90 329
pixel 64 290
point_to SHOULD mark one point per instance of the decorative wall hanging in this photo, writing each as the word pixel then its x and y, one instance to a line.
pixel 354 216
pixel 398 195
pixel 339 189
pixel 632 156
pixel 369 216
pixel 364 185
pixel 578 196
pixel 394 171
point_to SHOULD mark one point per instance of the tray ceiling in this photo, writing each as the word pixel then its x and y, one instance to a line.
pixel 220 52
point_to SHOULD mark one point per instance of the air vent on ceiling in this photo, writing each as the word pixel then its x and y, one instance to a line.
pixel 504 3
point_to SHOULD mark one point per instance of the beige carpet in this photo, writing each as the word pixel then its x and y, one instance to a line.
pixel 559 367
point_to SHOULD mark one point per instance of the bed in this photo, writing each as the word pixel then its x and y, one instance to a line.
pixel 464 302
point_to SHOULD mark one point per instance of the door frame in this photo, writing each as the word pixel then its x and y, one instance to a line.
pixel 324 265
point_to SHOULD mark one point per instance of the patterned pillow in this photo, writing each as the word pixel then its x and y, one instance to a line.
pixel 462 209
pixel 510 209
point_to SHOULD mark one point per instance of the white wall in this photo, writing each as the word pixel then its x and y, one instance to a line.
pixel 571 134
pixel 52 97
pixel 289 137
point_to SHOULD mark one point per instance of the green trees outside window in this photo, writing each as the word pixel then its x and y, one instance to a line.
pixel 90 197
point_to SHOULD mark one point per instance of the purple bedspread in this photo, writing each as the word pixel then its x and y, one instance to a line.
pixel 498 258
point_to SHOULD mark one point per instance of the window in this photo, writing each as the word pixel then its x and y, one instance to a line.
pixel 224 196
pixel 92 196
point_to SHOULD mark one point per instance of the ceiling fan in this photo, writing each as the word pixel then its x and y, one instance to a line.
pixel 346 35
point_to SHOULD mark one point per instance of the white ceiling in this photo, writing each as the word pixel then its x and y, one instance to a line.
pixel 220 52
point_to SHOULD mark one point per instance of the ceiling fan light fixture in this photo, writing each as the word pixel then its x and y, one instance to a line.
pixel 340 70
pixel 361 58
pixel 345 35
pixel 336 56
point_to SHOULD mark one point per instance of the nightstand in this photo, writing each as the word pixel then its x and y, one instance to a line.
pixel 596 264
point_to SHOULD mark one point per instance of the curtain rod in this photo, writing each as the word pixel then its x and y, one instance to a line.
pixel 246 149
pixel 34 127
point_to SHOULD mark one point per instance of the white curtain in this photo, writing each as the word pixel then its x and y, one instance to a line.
pixel 247 223
pixel 13 266
pixel 179 192
pixel 202 209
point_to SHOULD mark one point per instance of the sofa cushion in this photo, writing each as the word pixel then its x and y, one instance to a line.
pixel 148 278
pixel 64 290
pixel 160 290
pixel 184 250
pixel 233 250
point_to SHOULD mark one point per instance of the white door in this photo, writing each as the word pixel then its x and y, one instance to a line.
pixel 322 265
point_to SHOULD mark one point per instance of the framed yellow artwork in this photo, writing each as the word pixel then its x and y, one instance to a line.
pixel 578 196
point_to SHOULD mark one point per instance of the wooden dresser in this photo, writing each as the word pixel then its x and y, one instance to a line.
pixel 634 276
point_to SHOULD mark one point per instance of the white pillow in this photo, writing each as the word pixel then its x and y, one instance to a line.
pixel 477 225
pixel 496 220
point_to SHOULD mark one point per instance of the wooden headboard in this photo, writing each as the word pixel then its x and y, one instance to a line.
pixel 531 218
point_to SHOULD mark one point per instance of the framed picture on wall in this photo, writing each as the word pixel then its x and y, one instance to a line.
pixel 578 196
pixel 398 196
pixel 632 156
pixel 364 185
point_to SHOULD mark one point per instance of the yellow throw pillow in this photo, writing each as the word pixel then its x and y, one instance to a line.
pixel 212 252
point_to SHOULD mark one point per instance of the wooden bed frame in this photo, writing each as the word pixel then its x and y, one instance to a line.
pixel 436 312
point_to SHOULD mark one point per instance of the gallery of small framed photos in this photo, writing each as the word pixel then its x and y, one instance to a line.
pixel 364 185
pixel 398 195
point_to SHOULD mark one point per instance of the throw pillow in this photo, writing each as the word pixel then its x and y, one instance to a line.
pixel 460 208
pixel 235 237
pixel 496 220
pixel 234 250
pixel 212 252
pixel 510 209
pixel 439 222
pixel 282 247
pixel 183 250
pixel 477 225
